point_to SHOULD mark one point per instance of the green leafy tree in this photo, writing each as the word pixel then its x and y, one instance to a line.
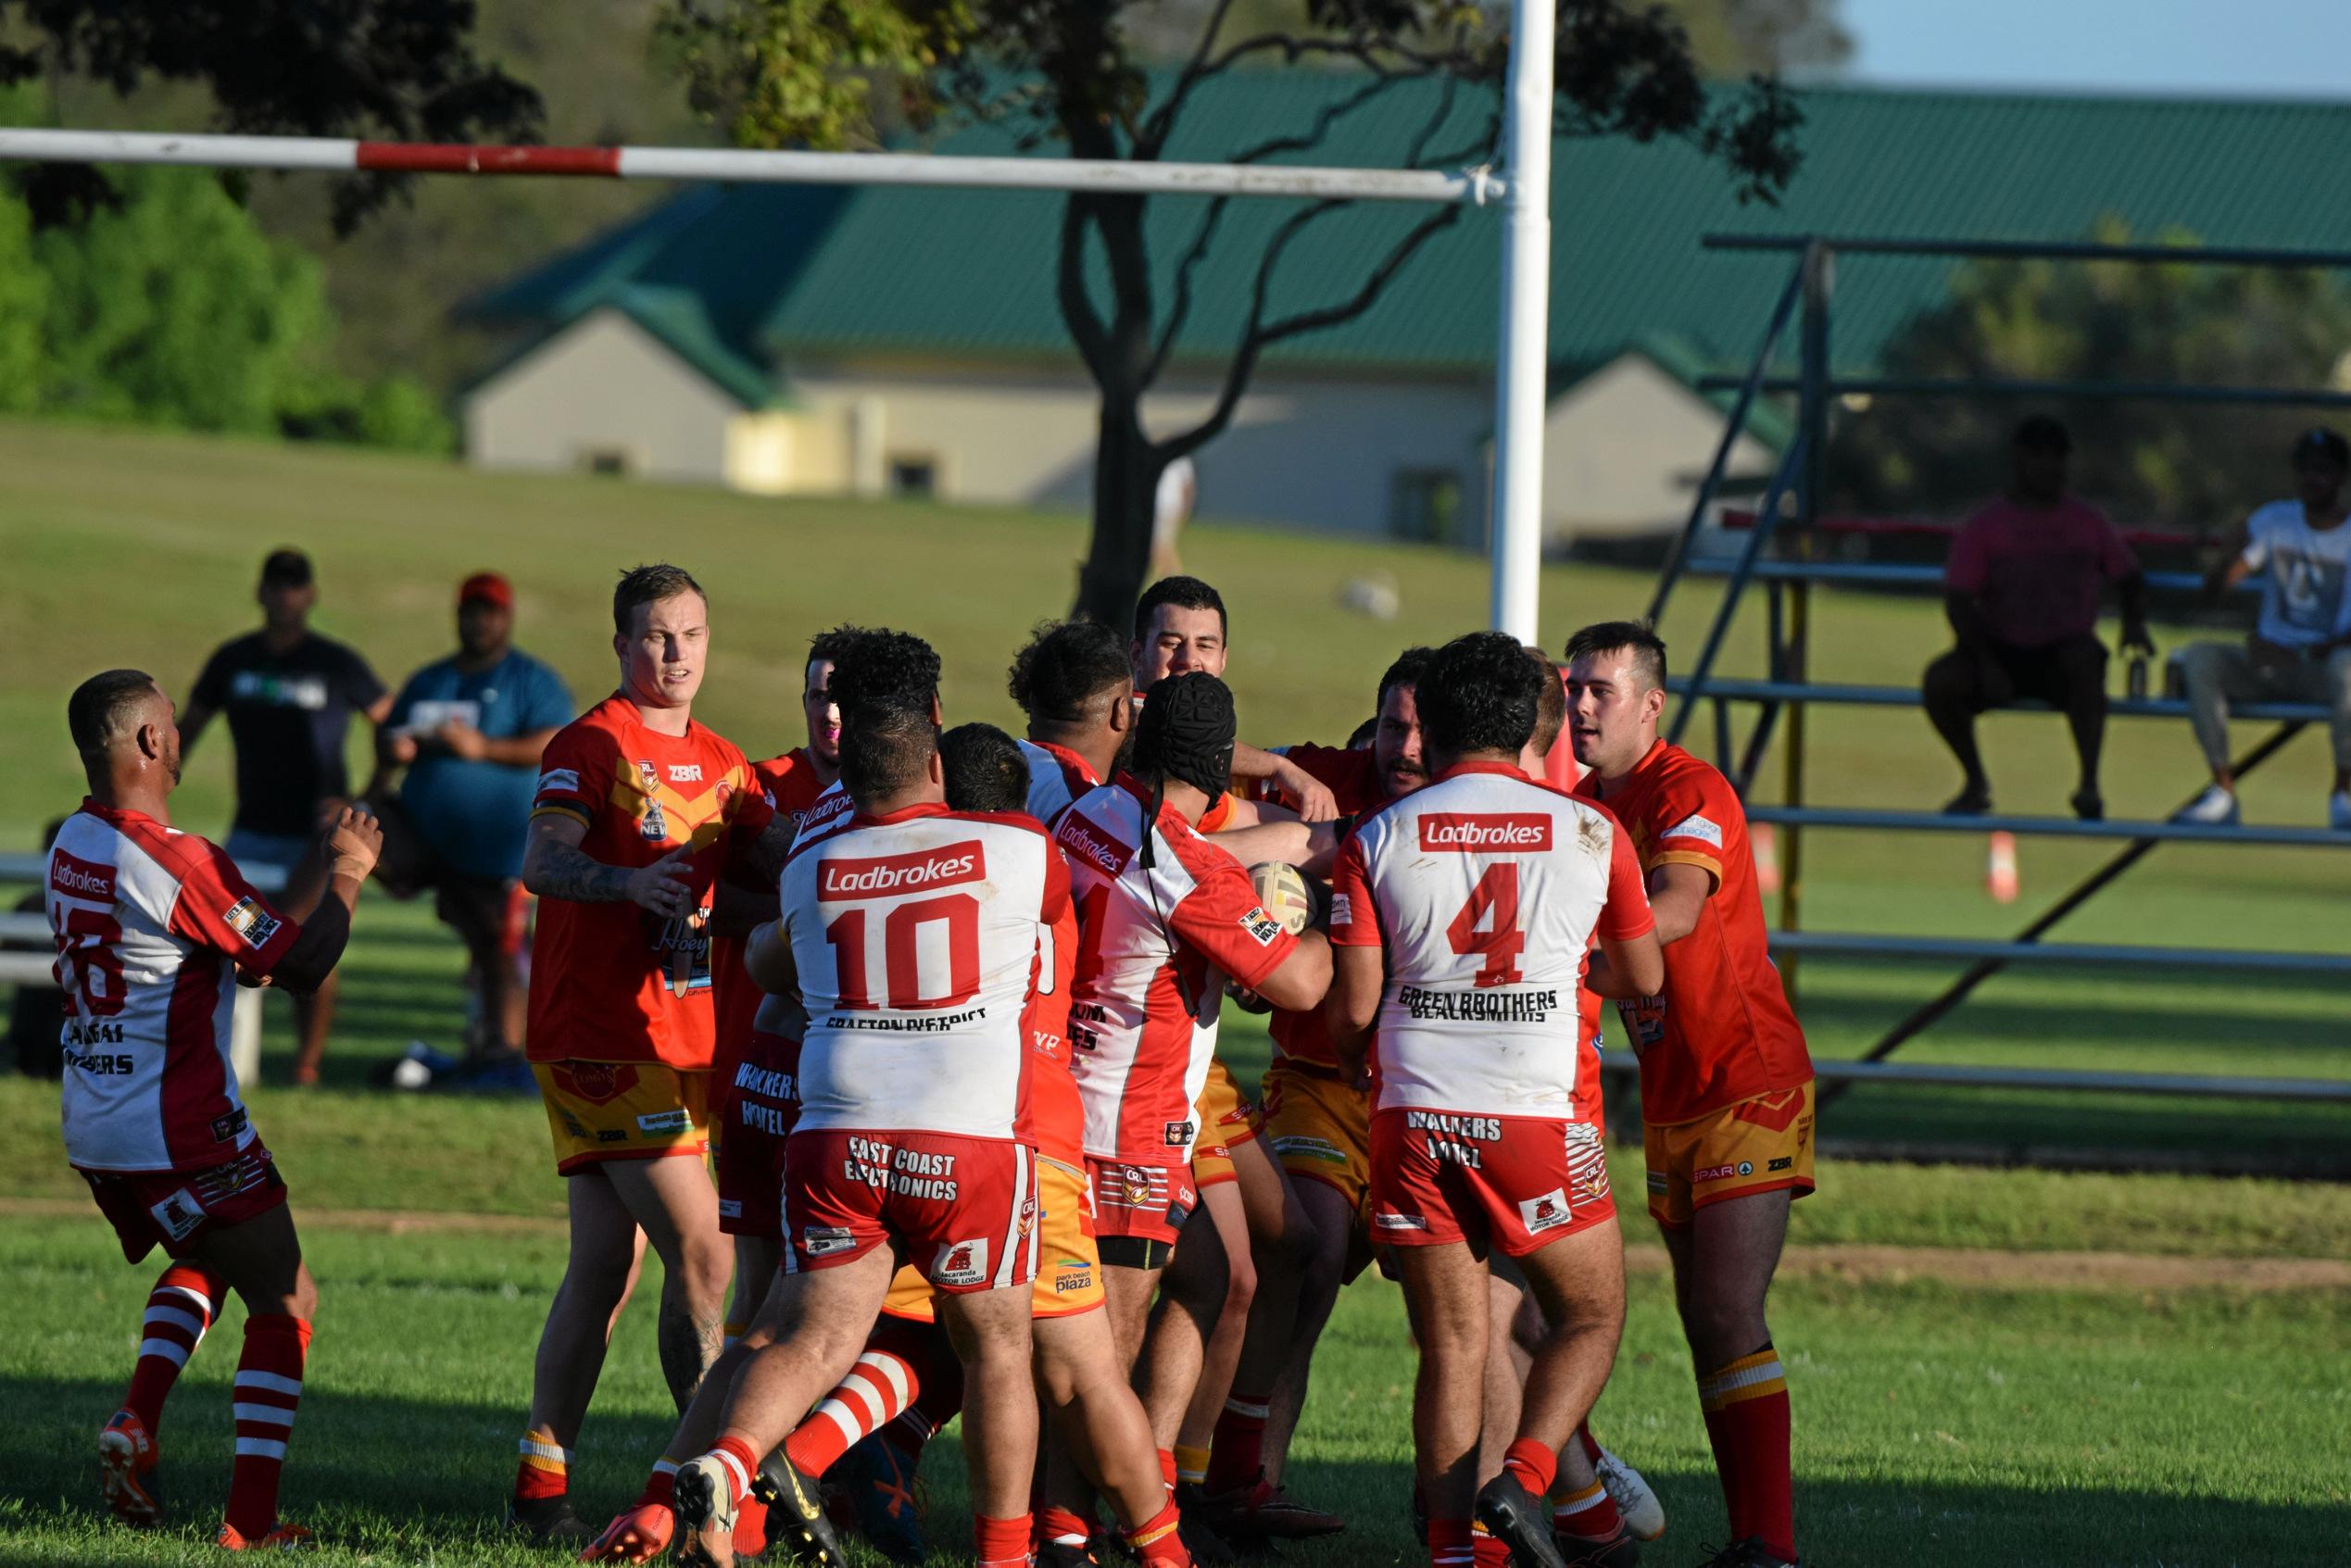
pixel 24 307
pixel 834 73
pixel 2194 465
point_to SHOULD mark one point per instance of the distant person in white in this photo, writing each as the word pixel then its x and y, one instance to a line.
pixel 2300 649
pixel 1171 505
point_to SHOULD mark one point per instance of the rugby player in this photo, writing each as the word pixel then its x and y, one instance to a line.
pixel 1726 1082
pixel 155 929
pixel 1460 918
pixel 746 1128
pixel 914 935
pixel 640 811
pixel 1166 917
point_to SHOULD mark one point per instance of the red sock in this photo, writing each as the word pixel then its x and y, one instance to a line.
pixel 545 1468
pixel 1000 1543
pixel 1487 1550
pixel 1237 1453
pixel 1591 1513
pixel 1156 1543
pixel 1167 1467
pixel 1746 1408
pixel 1449 1543
pixel 1591 1443
pixel 268 1390
pixel 1535 1466
pixel 180 1308
pixel 661 1487
pixel 1061 1525
pixel 740 1460
pixel 751 1527
pixel 876 1392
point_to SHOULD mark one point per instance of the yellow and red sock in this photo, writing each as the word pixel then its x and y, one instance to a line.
pixel 1746 1408
pixel 545 1470
pixel 740 1461
pixel 1535 1466
pixel 1000 1543
pixel 1191 1465
pixel 1156 1542
pixel 876 1392
pixel 1487 1550
pixel 1237 1453
pixel 180 1308
pixel 1449 1543
pixel 1590 1513
pixel 269 1390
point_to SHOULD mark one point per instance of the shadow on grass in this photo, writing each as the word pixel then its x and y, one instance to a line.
pixel 428 1481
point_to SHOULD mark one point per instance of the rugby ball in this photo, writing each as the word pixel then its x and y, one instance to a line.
pixel 1283 893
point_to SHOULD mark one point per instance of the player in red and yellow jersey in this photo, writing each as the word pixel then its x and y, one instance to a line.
pixel 747 1121
pixel 1725 1083
pixel 640 810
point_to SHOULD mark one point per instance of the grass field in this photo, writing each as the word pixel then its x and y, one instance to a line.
pixel 1988 1366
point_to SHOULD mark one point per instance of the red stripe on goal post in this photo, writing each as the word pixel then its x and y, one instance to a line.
pixel 447 157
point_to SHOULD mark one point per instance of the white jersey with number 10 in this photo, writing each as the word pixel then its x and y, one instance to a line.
pixel 916 936
pixel 1486 890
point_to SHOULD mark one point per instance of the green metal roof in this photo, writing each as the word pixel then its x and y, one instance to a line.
pixel 783 272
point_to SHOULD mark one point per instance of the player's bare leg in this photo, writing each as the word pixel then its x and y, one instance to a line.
pixel 812 1326
pixel 757 1260
pixel 1221 1352
pixel 1331 1220
pixel 313 1020
pixel 990 1331
pixel 1506 1365
pixel 1174 1344
pixel 1579 1281
pixel 597 1278
pixel 1723 1263
pixel 674 1202
pixel 1096 1416
pixel 1445 1299
pixel 1247 1504
pixel 261 1260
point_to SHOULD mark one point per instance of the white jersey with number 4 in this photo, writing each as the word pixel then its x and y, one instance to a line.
pixel 916 936
pixel 1486 890
pixel 152 925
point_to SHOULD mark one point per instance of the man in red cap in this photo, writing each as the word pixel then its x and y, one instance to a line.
pixel 468 730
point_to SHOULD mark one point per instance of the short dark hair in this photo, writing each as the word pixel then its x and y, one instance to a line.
pixel 287 568
pixel 885 671
pixel 1065 668
pixel 985 769
pixel 2043 433
pixel 1184 592
pixel 100 706
pixel 884 751
pixel 1406 672
pixel 1607 636
pixel 1550 710
pixel 1480 692
pixel 650 584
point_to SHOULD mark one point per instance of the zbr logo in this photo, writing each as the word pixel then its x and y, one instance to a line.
pixel 685 773
pixel 961 1262
pixel 1486 833
pixel 918 873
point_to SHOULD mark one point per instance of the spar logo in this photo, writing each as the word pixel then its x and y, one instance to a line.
pixel 78 878
pixel 917 873
pixel 1081 837
pixel 1486 833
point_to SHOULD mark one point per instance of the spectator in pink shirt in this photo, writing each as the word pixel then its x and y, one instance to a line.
pixel 2022 590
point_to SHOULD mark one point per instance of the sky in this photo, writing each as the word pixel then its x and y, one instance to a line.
pixel 2294 49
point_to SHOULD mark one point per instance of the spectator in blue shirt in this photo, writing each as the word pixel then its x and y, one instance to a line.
pixel 468 730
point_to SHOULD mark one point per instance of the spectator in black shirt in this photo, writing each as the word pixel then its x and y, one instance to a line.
pixel 289 695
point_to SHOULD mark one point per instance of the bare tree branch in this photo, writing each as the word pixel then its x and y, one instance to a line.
pixel 1182 306
pixel 1259 336
pixel 1154 133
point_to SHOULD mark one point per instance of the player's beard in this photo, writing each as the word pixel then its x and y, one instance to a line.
pixel 1125 757
pixel 171 765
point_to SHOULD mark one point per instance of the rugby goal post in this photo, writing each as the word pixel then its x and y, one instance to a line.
pixel 1521 359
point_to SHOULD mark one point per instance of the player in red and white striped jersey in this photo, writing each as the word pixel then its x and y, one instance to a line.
pixel 1461 917
pixel 154 928
pixel 1165 918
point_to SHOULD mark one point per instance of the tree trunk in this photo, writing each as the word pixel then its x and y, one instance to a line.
pixel 1126 482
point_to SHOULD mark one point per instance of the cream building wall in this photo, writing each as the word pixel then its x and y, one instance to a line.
pixel 1626 448
pixel 603 393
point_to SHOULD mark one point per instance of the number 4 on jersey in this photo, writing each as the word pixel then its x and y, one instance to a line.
pixel 1494 903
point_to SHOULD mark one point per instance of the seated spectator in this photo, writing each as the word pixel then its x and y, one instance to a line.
pixel 468 730
pixel 2021 590
pixel 2300 649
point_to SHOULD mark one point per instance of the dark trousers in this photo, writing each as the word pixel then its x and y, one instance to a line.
pixel 2070 676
